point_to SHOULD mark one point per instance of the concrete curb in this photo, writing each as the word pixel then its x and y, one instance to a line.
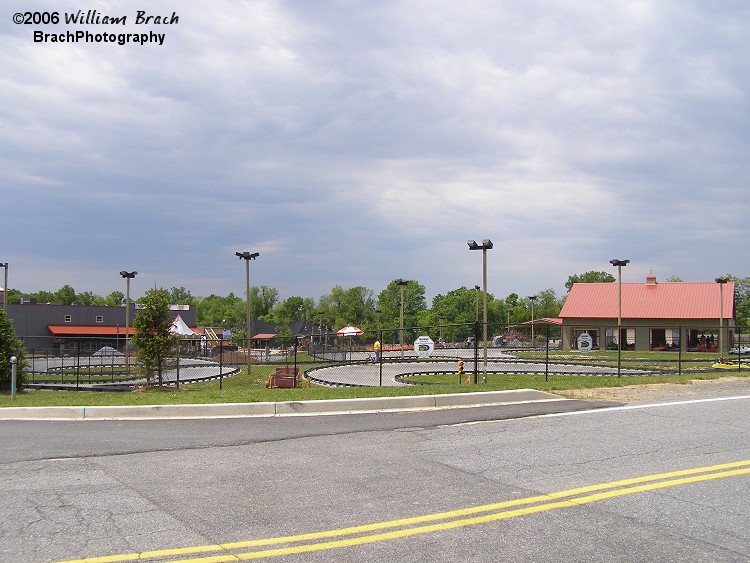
pixel 289 408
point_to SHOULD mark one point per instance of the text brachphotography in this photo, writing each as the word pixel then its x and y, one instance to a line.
pixel 88 37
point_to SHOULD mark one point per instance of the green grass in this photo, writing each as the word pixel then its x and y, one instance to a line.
pixel 242 388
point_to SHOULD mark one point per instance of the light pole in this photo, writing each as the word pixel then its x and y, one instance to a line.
pixel 247 256
pixel 721 282
pixel 476 303
pixel 4 265
pixel 128 276
pixel 401 283
pixel 484 247
pixel 532 298
pixel 619 264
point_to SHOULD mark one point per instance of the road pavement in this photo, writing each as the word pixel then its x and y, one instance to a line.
pixel 522 482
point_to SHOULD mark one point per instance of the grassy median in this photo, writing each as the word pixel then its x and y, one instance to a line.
pixel 244 388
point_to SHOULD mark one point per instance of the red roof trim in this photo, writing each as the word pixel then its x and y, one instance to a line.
pixel 83 330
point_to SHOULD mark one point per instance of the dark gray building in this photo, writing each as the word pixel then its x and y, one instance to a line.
pixel 62 328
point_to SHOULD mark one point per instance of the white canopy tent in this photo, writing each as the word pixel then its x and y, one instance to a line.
pixel 180 328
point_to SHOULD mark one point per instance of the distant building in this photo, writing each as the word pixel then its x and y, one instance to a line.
pixel 61 329
pixel 655 315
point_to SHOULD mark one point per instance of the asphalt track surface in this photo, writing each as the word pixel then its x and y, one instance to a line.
pixel 359 369
pixel 365 372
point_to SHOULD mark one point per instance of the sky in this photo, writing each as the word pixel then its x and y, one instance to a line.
pixel 355 142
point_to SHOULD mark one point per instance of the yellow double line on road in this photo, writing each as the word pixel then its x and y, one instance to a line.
pixel 406 527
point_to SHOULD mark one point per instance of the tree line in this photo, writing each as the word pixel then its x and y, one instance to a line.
pixel 364 308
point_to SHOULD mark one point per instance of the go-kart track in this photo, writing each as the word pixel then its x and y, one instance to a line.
pixel 363 371
pixel 357 369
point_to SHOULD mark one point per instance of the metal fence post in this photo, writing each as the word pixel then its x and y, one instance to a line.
pixel 739 348
pixel 380 358
pixel 546 359
pixel 221 363
pixel 13 366
pixel 78 360
pixel 476 351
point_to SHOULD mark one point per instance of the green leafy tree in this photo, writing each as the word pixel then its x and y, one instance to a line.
pixel 44 297
pixel 180 296
pixel 227 312
pixel 262 301
pixel 10 346
pixel 589 277
pixel 88 299
pixel 65 295
pixel 155 345
pixel 355 306
pixel 456 311
pixel 293 309
pixel 115 299
pixel 14 296
pixel 741 302
pixel 389 301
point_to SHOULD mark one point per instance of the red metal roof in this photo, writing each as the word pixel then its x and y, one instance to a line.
pixel 264 336
pixel 664 300
pixel 83 330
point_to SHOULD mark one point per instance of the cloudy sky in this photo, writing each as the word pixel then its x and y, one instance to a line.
pixel 355 142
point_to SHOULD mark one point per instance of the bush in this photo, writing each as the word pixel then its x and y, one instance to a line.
pixel 9 346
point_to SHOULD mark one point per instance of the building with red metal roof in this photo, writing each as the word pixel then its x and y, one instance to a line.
pixel 654 315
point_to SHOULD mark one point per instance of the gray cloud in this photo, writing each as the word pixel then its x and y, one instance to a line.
pixel 356 142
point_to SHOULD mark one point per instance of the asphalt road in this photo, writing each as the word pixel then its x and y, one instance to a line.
pixel 480 484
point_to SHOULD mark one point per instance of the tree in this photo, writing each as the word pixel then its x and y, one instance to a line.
pixel 293 309
pixel 65 295
pixel 44 297
pixel 87 299
pixel 589 277
pixel 180 296
pixel 115 299
pixel 457 311
pixel 227 312
pixel 389 301
pixel 14 296
pixel 354 306
pixel 155 344
pixel 262 301
pixel 741 301
pixel 10 346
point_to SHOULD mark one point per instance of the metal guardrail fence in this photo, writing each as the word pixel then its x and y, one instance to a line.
pixel 80 362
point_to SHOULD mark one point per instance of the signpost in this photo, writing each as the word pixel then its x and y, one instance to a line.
pixel 423 346
pixel 585 342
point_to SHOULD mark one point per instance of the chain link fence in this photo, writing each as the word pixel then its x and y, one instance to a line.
pixel 448 353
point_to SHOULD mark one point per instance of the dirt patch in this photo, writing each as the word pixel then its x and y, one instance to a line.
pixel 651 393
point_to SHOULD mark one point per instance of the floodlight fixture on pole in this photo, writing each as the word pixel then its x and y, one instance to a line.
pixel 247 256
pixel 619 264
pixel 532 298
pixel 401 283
pixel 484 247
pixel 721 282
pixel 127 276
pixel 4 265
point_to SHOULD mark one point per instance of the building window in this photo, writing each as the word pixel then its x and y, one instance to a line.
pixel 67 318
pixel 99 319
